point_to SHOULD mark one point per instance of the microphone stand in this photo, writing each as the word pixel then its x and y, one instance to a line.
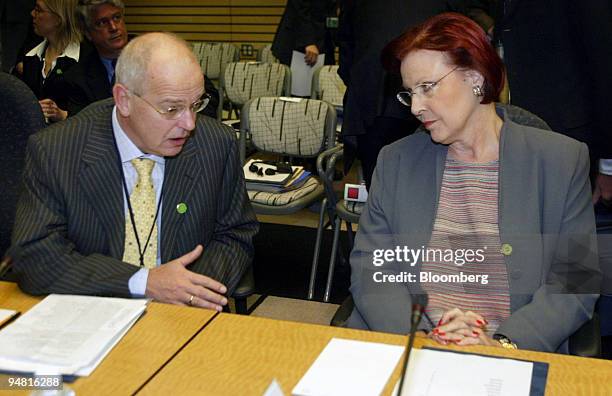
pixel 420 301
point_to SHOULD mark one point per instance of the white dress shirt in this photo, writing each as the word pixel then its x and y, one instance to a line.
pixel 127 152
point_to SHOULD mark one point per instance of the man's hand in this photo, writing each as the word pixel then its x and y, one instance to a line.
pixel 603 189
pixel 51 111
pixel 312 53
pixel 173 283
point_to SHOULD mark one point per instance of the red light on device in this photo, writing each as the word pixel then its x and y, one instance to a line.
pixel 353 193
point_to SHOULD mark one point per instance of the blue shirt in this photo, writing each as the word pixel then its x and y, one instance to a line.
pixel 127 152
pixel 110 69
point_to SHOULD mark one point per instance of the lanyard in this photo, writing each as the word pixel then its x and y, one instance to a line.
pixel 141 252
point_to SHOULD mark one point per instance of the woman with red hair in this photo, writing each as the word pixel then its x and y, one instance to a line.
pixel 487 214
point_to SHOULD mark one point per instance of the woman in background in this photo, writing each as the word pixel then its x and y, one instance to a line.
pixel 43 66
pixel 500 211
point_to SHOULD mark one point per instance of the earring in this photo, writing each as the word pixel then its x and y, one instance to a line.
pixel 477 91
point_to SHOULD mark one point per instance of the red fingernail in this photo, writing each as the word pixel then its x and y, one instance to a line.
pixel 440 333
pixel 440 322
pixel 476 334
pixel 480 322
pixel 435 331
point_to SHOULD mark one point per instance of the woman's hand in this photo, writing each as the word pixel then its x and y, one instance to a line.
pixel 462 328
pixel 51 111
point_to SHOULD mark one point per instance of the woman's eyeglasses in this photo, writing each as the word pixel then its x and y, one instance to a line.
pixel 425 89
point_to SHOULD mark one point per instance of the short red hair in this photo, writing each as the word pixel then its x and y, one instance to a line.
pixel 461 39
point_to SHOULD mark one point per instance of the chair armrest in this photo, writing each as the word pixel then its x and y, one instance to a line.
pixel 326 165
pixel 246 286
pixel 343 313
pixel 586 341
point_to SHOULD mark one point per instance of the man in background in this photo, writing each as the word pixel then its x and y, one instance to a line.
pixel 558 55
pixel 303 28
pixel 103 24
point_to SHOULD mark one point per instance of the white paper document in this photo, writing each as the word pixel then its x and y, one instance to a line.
pixel 432 373
pixel 347 367
pixel 67 334
pixel 301 73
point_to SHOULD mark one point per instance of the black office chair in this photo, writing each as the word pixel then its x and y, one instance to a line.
pixel 245 288
pixel 20 116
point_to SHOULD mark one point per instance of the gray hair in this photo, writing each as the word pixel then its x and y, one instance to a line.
pixel 86 9
pixel 132 66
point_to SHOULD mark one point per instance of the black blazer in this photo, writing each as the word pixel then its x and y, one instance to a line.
pixel 302 24
pixel 87 82
pixel 365 28
pixel 559 59
pixel 51 87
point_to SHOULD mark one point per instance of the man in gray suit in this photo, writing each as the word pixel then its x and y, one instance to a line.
pixel 80 226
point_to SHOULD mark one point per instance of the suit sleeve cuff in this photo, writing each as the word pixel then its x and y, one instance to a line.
pixel 605 166
pixel 138 283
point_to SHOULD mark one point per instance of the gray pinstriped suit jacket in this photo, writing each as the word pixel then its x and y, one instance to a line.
pixel 70 225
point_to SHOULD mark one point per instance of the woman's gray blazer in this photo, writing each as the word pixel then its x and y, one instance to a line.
pixel 545 217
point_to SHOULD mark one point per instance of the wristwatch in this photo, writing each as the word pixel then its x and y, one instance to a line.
pixel 504 341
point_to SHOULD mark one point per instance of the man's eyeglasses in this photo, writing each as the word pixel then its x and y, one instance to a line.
pixel 175 112
pixel 105 23
pixel 425 89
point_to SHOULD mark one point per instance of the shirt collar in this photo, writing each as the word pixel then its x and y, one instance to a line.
pixel 127 149
pixel 71 51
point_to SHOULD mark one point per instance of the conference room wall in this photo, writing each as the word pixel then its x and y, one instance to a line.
pixel 241 22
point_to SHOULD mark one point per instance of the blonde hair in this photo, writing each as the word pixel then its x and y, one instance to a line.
pixel 68 31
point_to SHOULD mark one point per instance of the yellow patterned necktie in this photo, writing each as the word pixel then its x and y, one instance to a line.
pixel 142 200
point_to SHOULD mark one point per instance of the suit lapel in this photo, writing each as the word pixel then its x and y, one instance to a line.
pixel 98 80
pixel 100 179
pixel 179 180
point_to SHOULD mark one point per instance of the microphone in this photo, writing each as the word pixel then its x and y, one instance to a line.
pixel 419 302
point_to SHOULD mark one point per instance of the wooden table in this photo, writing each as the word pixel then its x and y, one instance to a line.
pixel 237 355
pixel 153 341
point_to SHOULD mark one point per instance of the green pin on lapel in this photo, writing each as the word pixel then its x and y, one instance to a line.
pixel 181 208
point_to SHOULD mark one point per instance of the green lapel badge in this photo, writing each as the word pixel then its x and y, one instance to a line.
pixel 59 71
pixel 181 208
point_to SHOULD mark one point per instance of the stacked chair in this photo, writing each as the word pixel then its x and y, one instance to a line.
pixel 242 81
pixel 338 210
pixel 291 127
pixel 328 86
pixel 214 57
pixel 265 55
